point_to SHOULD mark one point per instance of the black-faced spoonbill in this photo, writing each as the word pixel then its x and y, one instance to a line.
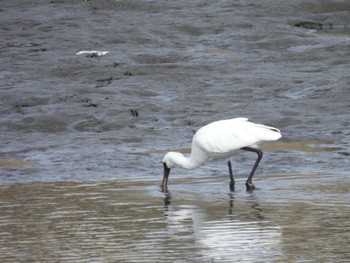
pixel 221 140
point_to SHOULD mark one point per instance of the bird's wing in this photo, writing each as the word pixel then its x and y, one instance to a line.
pixel 230 135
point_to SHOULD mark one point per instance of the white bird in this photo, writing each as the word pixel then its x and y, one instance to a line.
pixel 221 140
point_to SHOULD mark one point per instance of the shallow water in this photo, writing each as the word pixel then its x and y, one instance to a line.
pixel 82 136
pixel 303 219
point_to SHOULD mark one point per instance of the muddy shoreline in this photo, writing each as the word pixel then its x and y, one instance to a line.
pixel 83 134
pixel 171 68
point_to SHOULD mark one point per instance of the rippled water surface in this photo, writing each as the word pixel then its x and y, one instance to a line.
pixel 303 219
pixel 82 136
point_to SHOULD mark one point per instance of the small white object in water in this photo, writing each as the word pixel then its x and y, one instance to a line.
pixel 92 53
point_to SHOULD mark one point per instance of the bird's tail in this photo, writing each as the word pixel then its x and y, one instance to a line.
pixel 268 133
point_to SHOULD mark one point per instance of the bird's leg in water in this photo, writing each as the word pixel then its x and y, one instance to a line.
pixel 165 176
pixel 232 182
pixel 249 183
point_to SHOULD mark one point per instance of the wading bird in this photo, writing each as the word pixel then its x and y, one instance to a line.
pixel 221 140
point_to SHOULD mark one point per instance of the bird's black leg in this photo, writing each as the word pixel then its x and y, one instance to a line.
pixel 249 183
pixel 165 178
pixel 232 182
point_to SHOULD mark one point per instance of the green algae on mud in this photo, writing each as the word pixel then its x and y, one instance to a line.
pixel 14 163
pixel 312 146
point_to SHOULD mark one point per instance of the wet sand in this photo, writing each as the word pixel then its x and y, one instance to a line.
pixel 83 135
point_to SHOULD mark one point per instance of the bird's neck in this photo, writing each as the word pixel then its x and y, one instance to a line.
pixel 186 163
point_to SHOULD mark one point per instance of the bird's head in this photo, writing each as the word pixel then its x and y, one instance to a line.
pixel 169 158
pixel 168 163
pixel 174 159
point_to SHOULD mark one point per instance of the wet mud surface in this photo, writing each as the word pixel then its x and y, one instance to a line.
pixel 83 134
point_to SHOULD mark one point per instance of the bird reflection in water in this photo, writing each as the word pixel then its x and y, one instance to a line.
pixel 235 231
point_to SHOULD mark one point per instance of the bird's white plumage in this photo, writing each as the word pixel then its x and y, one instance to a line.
pixel 222 139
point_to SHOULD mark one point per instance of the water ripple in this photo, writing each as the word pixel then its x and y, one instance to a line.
pixel 134 222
